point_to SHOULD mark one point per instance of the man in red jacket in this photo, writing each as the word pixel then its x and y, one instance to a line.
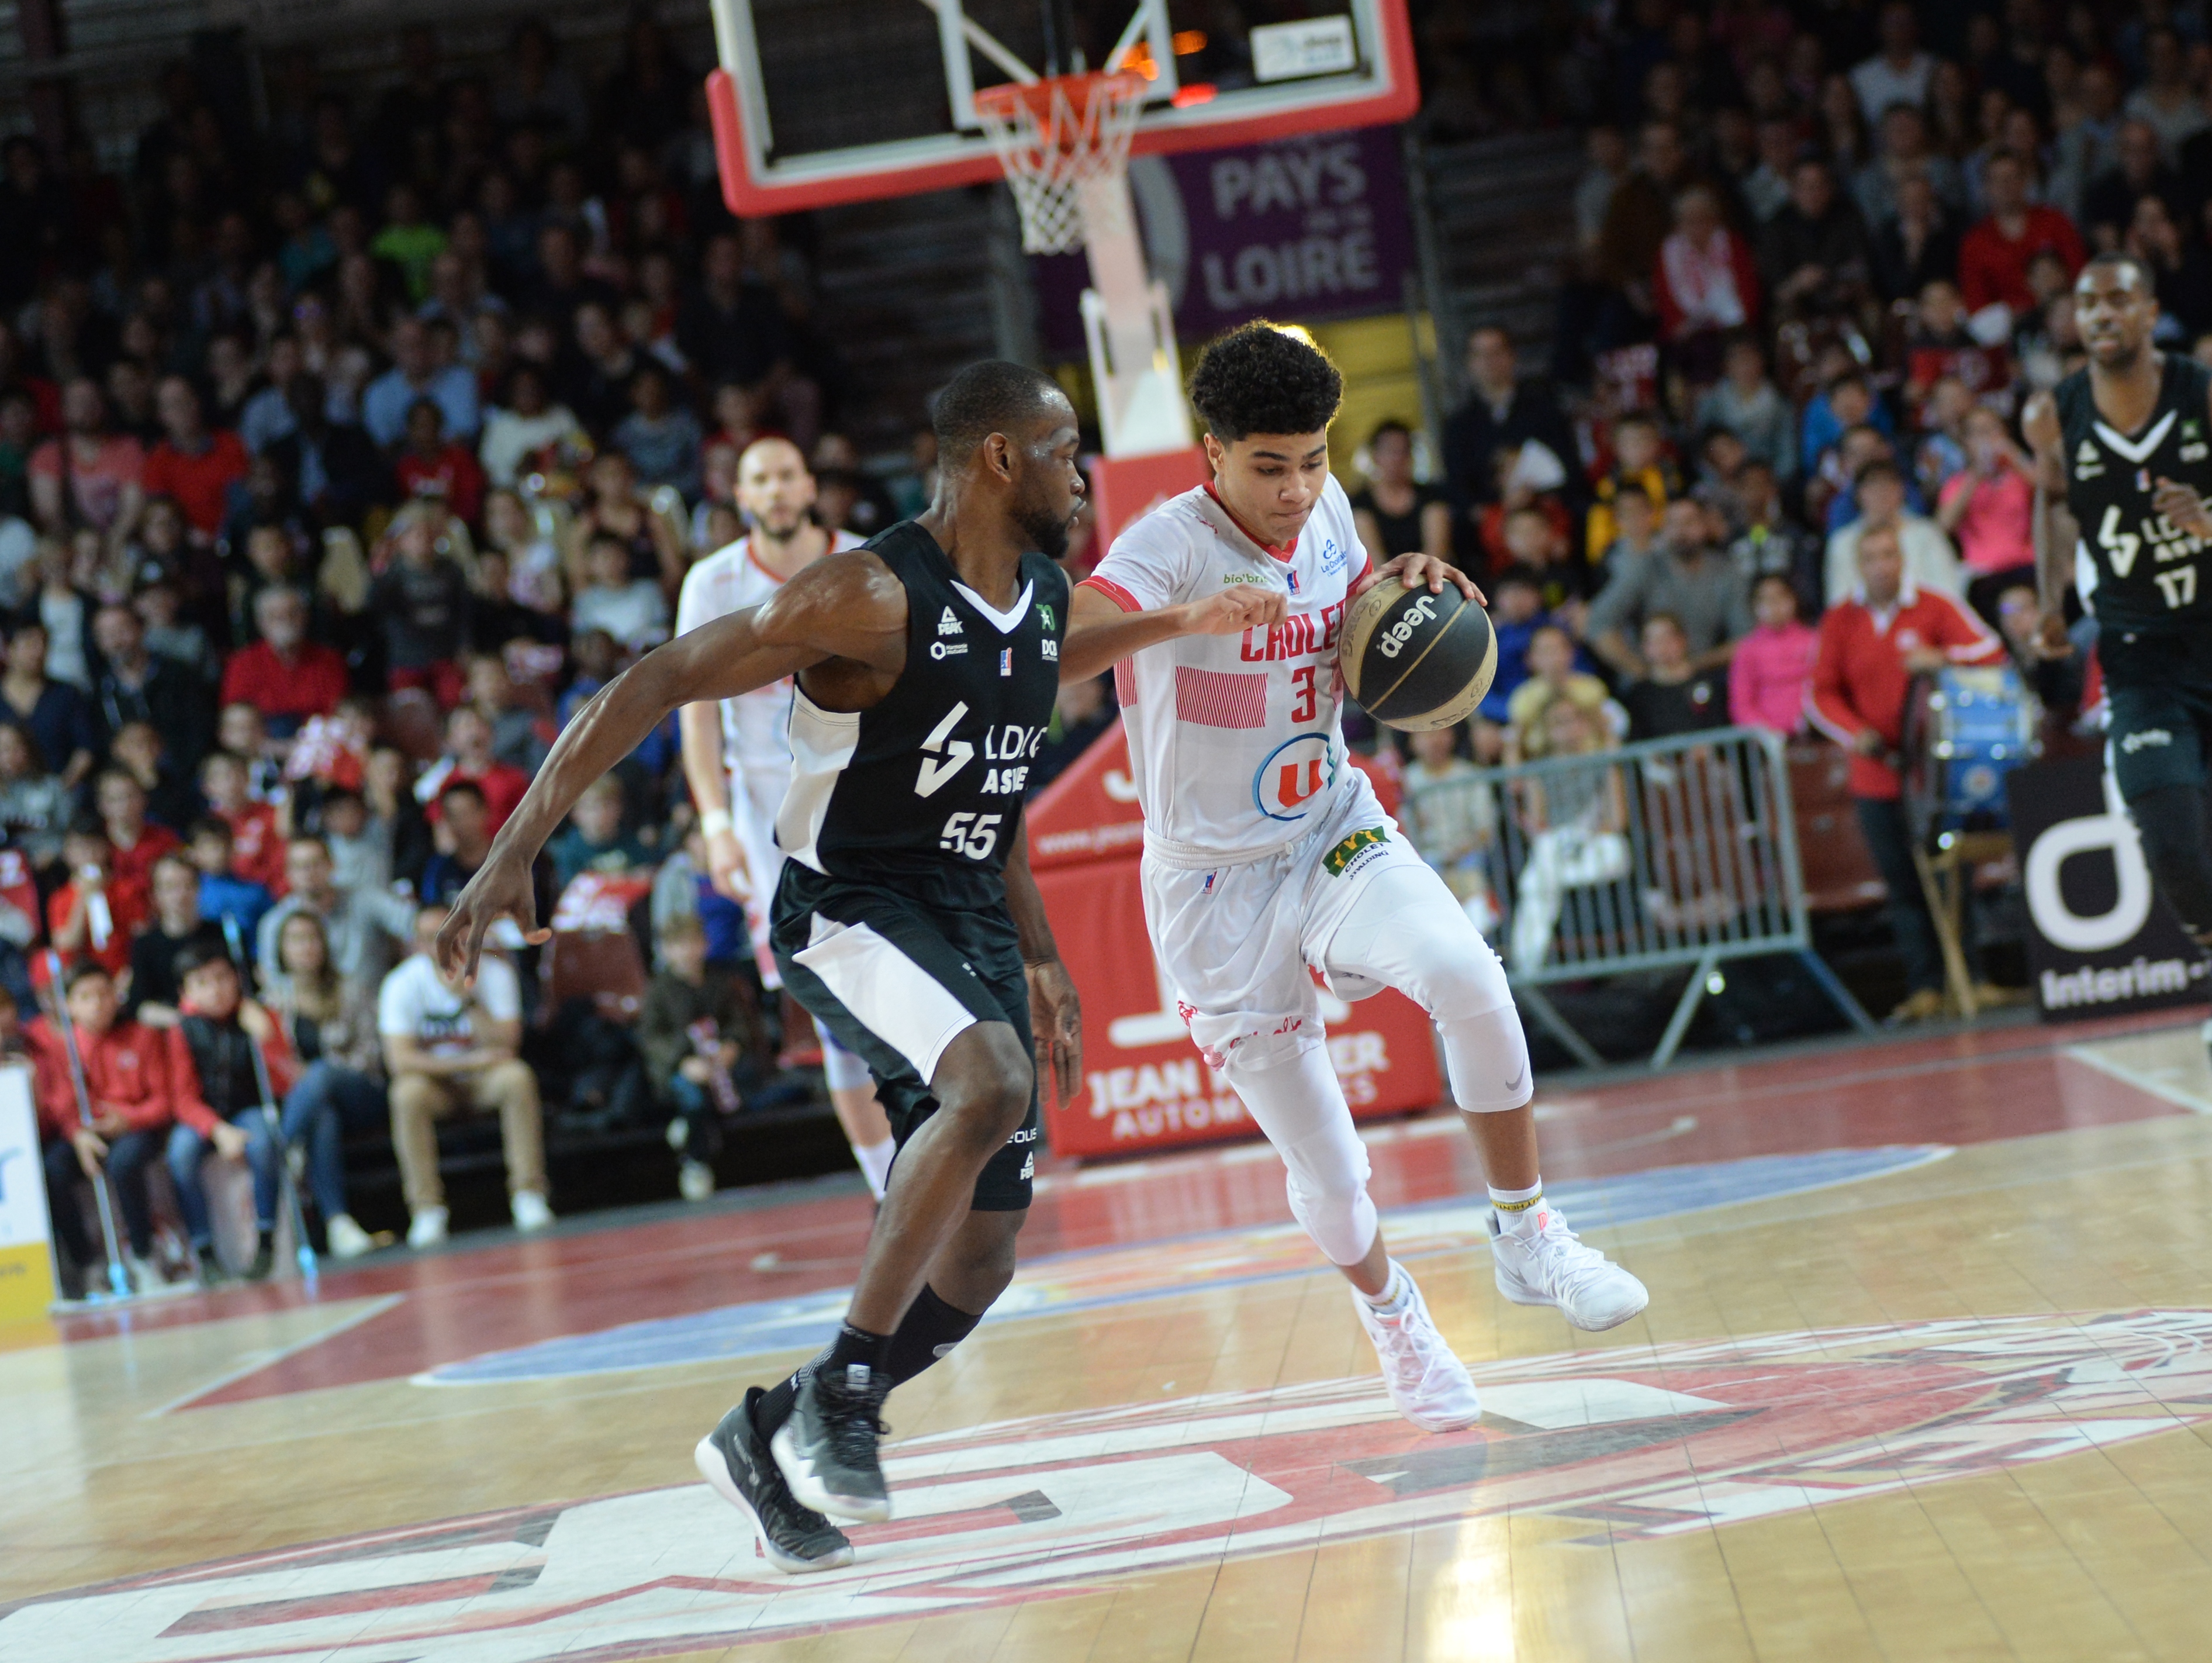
pixel 1994 256
pixel 1871 647
pixel 132 1076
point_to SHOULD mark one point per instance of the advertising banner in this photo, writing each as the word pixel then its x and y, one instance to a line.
pixel 27 1263
pixel 2100 941
pixel 1309 228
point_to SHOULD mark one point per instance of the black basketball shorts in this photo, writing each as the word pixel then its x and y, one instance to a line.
pixel 896 983
pixel 2160 690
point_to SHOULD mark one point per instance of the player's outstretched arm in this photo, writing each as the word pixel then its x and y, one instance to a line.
pixel 848 606
pixel 1100 634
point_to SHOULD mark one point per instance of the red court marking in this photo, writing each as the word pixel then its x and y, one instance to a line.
pixel 1957 1088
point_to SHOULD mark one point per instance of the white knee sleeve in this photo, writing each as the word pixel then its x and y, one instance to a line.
pixel 1298 1102
pixel 1408 933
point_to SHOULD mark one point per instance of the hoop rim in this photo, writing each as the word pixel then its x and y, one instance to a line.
pixel 1038 95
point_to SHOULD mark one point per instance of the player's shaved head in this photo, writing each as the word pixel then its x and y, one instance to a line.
pixel 994 396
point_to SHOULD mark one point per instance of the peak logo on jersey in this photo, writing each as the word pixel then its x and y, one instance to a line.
pixel 2193 448
pixel 1681 1439
pixel 1340 857
pixel 950 624
pixel 1294 776
pixel 936 768
pixel 2087 463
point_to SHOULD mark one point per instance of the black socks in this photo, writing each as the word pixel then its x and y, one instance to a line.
pixel 930 1328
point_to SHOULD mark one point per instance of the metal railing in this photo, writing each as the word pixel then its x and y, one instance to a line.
pixel 1667 854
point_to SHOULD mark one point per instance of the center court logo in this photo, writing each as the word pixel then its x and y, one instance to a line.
pixel 1637 1443
pixel 1287 785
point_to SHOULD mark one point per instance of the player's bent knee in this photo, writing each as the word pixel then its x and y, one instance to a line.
pixel 1325 1178
pixel 1486 1058
pixel 984 1081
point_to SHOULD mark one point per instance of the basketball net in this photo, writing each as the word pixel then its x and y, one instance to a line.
pixel 1055 136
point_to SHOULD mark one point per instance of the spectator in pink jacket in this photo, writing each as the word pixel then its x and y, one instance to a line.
pixel 1773 665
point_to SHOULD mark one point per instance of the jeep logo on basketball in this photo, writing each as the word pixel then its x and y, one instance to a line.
pixel 1392 641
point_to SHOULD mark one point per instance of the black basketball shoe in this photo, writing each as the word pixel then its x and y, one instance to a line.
pixel 734 1459
pixel 827 1449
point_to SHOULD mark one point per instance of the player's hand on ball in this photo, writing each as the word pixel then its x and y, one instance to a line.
pixel 1240 607
pixel 500 889
pixel 1419 571
pixel 2182 508
pixel 1056 1020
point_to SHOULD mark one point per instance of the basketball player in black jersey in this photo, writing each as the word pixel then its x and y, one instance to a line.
pixel 906 918
pixel 2122 472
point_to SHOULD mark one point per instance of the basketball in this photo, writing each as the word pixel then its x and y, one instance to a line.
pixel 1416 660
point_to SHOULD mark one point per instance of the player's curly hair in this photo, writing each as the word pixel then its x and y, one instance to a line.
pixel 1260 377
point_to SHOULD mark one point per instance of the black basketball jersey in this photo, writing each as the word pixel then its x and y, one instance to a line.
pixel 2148 572
pixel 919 792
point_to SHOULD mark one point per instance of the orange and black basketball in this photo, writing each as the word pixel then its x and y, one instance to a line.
pixel 1414 660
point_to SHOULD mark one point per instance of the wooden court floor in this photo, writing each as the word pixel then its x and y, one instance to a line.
pixel 1927 1374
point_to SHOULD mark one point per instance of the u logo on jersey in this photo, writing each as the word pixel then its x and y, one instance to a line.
pixel 1295 772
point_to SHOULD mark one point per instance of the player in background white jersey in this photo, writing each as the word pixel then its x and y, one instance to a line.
pixel 737 756
pixel 1267 857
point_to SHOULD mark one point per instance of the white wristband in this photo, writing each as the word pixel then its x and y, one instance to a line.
pixel 714 822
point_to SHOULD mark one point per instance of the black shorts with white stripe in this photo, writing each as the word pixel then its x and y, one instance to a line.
pixel 897 981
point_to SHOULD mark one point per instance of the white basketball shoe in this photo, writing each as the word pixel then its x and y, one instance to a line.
pixel 1549 1265
pixel 1428 1384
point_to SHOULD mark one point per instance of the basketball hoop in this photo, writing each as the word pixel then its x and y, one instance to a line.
pixel 1053 137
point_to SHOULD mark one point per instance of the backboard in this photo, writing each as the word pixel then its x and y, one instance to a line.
pixel 824 101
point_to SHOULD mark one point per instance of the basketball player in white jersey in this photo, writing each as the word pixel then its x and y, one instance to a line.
pixel 737 756
pixel 1269 864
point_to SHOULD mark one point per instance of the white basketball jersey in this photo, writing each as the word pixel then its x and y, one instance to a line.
pixel 755 725
pixel 1235 739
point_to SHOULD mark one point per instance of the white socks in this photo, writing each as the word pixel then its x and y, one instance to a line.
pixel 875 1160
pixel 1517 1210
pixel 1397 1293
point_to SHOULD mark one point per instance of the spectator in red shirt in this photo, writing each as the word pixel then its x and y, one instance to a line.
pixel 129 1078
pixel 431 466
pixel 95 915
pixel 256 845
pixel 1993 259
pixel 286 676
pixel 469 757
pixel 191 464
pixel 1872 645
pixel 135 843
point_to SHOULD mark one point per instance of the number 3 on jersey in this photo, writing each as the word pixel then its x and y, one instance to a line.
pixel 970 834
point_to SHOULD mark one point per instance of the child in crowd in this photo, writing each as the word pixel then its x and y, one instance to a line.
pixel 1639 459
pixel 520 736
pixel 129 1078
pixel 701 1035
pixel 1552 673
pixel 593 840
pixel 138 750
pixel 224 891
pixel 420 600
pixel 1773 665
pixel 257 841
pixel 135 842
pixel 1534 544
pixel 1748 405
pixel 1672 697
pixel 1451 817
pixel 1516 613
pixel 220 1029
pixel 95 913
pixel 633 610
pixel 1771 542
pixel 240 730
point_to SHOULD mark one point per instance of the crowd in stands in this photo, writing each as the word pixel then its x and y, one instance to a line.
pixel 341 459
pixel 1778 470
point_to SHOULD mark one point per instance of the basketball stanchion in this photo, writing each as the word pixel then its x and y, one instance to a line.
pixel 287 1185
pixel 119 1274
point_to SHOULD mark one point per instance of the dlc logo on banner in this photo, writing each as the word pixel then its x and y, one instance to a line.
pixel 2100 942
